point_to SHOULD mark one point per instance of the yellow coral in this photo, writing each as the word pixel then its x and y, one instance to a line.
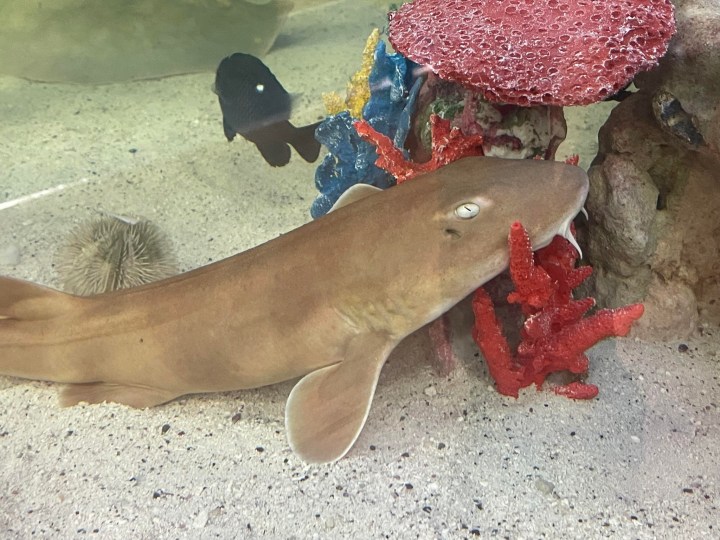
pixel 334 103
pixel 358 91
pixel 358 88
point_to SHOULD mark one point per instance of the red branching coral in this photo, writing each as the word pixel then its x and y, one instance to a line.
pixel 448 144
pixel 577 390
pixel 554 52
pixel 555 335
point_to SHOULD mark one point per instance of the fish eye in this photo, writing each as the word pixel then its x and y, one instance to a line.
pixel 467 210
pixel 260 88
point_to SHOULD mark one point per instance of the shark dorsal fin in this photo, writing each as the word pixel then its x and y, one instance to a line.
pixel 327 409
pixel 354 193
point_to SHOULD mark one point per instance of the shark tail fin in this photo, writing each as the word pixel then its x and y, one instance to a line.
pixel 327 409
pixel 24 301
pixel 303 140
pixel 28 313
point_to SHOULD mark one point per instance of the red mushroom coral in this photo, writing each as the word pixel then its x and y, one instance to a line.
pixel 527 52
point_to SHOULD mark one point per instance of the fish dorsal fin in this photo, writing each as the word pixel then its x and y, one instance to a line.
pixel 327 409
pixel 353 194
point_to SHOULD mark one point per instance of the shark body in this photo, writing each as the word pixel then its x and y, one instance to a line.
pixel 326 302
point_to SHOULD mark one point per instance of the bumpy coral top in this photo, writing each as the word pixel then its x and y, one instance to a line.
pixel 530 52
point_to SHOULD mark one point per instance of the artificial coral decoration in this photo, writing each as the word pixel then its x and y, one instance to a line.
pixel 394 84
pixel 448 145
pixel 550 52
pixel 358 88
pixel 555 335
pixel 508 131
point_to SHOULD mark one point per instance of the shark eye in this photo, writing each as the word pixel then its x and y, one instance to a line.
pixel 467 210
pixel 260 88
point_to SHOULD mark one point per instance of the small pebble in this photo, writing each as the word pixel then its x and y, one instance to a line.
pixel 201 520
pixel 9 254
pixel 682 347
pixel 165 429
pixel 430 391
pixel 544 486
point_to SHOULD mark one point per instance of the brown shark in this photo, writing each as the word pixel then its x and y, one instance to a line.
pixel 326 302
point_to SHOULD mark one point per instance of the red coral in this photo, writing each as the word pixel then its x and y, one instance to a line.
pixel 577 390
pixel 508 374
pixel 552 280
pixel 555 335
pixel 532 283
pixel 448 144
pixel 554 52
pixel 573 160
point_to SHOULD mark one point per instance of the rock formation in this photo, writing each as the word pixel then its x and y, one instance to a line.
pixel 654 203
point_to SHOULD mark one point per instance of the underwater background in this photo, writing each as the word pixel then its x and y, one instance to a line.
pixel 126 133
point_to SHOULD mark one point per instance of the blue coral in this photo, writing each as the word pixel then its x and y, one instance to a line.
pixel 393 92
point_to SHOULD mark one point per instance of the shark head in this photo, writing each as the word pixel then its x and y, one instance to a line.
pixel 438 237
pixel 406 255
pixel 471 204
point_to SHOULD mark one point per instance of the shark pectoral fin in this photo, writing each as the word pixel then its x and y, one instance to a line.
pixel 327 409
pixel 139 397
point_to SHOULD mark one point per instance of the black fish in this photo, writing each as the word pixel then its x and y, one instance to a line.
pixel 255 105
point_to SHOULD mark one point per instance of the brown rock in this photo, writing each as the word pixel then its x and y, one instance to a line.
pixel 654 202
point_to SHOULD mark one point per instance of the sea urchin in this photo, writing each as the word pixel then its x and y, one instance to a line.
pixel 113 252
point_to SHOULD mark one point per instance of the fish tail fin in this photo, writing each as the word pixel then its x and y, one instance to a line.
pixel 276 154
pixel 304 141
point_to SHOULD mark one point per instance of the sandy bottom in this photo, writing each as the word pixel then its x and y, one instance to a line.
pixel 439 457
